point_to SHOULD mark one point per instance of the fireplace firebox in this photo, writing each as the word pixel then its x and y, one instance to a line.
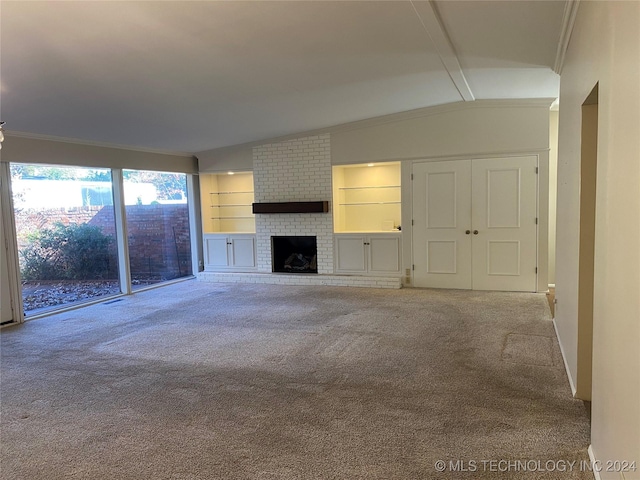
pixel 294 254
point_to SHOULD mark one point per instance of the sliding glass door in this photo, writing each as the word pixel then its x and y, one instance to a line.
pixel 70 232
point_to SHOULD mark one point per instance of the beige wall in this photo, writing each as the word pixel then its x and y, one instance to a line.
pixel 553 193
pixel 463 128
pixel 31 150
pixel 604 49
pixel 489 127
pixel 238 158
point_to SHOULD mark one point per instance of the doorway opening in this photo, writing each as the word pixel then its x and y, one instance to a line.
pixel 588 181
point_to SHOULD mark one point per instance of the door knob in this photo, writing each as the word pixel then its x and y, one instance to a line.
pixel 475 232
pixel 468 232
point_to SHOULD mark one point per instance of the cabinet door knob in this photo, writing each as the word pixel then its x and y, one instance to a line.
pixel 468 232
pixel 475 232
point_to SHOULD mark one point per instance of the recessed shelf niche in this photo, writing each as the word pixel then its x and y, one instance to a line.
pixel 367 197
pixel 226 202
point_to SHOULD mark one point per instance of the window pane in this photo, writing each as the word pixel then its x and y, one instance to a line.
pixel 66 235
pixel 157 226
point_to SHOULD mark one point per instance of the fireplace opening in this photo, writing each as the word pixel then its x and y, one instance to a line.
pixel 294 254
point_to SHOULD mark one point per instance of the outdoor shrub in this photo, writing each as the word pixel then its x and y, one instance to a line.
pixel 66 252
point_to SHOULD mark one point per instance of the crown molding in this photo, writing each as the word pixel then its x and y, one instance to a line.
pixel 568 21
pixel 77 141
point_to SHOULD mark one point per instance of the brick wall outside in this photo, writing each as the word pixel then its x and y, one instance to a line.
pixel 159 242
pixel 294 171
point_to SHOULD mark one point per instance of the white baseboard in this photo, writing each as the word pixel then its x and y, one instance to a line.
pixel 564 359
pixel 552 285
pixel 592 457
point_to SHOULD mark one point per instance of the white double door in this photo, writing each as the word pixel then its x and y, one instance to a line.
pixel 475 224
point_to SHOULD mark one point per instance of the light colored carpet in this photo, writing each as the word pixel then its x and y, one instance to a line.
pixel 222 381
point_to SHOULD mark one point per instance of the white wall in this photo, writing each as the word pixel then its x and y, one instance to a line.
pixel 604 49
pixel 461 129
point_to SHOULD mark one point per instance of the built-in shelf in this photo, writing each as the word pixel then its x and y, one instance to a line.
pixel 369 187
pixel 229 193
pixel 375 191
pixel 229 198
pixel 231 205
pixel 368 203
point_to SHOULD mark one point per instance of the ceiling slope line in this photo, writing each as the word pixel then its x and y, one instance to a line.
pixel 568 21
pixel 435 30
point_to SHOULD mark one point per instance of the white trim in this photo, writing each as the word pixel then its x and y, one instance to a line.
pixel 594 461
pixel 432 25
pixel 90 143
pixel 552 285
pixel 564 359
pixel 568 21
pixel 195 222
pixel 122 235
pixel 7 216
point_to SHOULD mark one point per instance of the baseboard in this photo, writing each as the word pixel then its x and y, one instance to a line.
pixel 552 285
pixel 564 359
pixel 592 457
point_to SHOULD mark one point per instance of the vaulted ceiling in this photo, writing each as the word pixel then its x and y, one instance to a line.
pixel 193 76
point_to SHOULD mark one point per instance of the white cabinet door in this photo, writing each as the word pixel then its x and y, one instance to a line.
pixel 350 254
pixel 442 218
pixel 216 251
pixel 224 252
pixel 384 254
pixel 242 251
pixel 368 254
pixel 504 217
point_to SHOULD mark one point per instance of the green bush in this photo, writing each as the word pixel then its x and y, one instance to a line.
pixel 66 252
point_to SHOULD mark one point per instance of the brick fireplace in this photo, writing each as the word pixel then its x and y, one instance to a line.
pixel 294 171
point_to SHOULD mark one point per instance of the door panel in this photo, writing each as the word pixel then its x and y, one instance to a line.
pixel 350 254
pixel 504 215
pixel 442 215
pixel 384 254
pixel 243 252
pixel 216 251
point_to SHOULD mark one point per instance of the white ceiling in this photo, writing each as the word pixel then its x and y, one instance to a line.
pixel 193 76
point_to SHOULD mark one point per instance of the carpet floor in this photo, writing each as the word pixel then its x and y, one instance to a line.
pixel 228 381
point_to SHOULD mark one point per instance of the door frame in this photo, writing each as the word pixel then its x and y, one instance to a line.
pixel 9 231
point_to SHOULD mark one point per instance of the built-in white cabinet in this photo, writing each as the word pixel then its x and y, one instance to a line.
pixel 367 197
pixel 229 252
pixel 228 223
pixel 368 254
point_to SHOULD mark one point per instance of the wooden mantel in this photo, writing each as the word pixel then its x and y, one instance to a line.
pixel 291 207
